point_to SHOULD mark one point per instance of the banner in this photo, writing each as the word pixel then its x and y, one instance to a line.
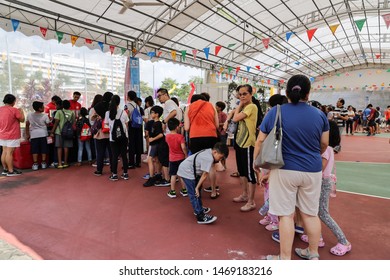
pixel 360 23
pixel 173 55
pixel 132 78
pixel 112 49
pixel 88 41
pixel 183 55
pixel 333 28
pixel 123 50
pixel 288 35
pixel 151 54
pixel 257 67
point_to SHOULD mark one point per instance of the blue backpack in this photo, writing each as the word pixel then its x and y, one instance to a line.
pixel 136 118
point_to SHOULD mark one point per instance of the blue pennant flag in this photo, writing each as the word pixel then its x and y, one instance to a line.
pixel 297 62
pixel 15 24
pixel 206 52
pixel 248 68
pixel 101 45
pixel 288 35
pixel 151 54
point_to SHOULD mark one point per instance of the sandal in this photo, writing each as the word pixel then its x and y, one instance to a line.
pixel 240 198
pixel 305 254
pixel 248 207
pixel 235 174
pixel 340 249
pixel 305 238
pixel 214 196
pixel 272 257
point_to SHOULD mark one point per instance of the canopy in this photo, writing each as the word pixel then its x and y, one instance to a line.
pixel 256 39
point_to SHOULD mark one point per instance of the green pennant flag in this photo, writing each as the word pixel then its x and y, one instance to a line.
pixel 332 60
pixel 360 23
pixel 276 65
pixel 388 70
pixel 183 55
pixel 230 69
pixel 231 45
pixel 338 74
pixel 123 50
pixel 60 35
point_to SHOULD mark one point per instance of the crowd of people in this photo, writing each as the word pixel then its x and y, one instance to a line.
pixel 186 148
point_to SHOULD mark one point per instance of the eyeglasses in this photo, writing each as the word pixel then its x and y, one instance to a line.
pixel 242 94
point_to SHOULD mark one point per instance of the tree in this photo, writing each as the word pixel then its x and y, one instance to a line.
pixel 196 80
pixel 183 92
pixel 146 90
pixel 103 84
pixel 168 84
pixel 18 77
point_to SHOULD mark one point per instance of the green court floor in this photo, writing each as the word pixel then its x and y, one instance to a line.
pixel 365 178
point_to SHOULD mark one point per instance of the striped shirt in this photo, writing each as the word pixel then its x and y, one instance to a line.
pixel 342 111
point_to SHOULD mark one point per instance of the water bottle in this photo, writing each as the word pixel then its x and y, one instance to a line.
pixel 264 209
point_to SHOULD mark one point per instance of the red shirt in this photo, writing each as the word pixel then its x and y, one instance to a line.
pixel 9 123
pixel 74 105
pixel 174 142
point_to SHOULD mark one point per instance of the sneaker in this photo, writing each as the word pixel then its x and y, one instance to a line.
pixel 146 176
pixel 184 192
pixel 106 162
pixel 53 165
pixel 209 189
pixel 272 226
pixel 158 176
pixel 35 166
pixel 44 165
pixel 94 164
pixel 14 173
pixel 276 236
pixel 113 177
pixel 205 210
pixel 150 182
pixel 162 183
pixel 98 173
pixel 299 229
pixel 206 219
pixel 4 173
pixel 171 194
pixel 125 176
pixel 265 221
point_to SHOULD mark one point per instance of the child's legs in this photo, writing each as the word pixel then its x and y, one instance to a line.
pixel 324 212
pixel 151 166
pixel 266 191
pixel 35 158
pixel 196 202
pixel 80 150
pixel 88 148
pixel 173 182
pixel 66 155
pixel 115 154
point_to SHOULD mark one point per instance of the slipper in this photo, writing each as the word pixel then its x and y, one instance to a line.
pixel 272 257
pixel 214 196
pixel 340 249
pixel 235 174
pixel 305 254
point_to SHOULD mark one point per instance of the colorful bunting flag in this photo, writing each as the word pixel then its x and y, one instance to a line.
pixel 276 65
pixel 333 28
pixel 60 35
pixel 238 68
pixel 123 50
pixel 73 39
pixel 265 42
pixel 288 35
pixel 159 53
pixel 297 63
pixel 112 49
pixel 332 60
pixel 206 52
pixel 231 45
pixel 360 23
pixel 230 70
pixel 101 45
pixel 217 49
pixel 173 55
pixel 310 33
pixel 221 69
pixel 43 31
pixel 257 67
pixel 151 54
pixel 183 55
pixel 133 52
pixel 15 24
pixel 378 56
pixel 248 68
pixel 194 53
pixel 88 41
pixel 386 18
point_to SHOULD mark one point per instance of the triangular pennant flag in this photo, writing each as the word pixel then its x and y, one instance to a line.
pixel 15 24
pixel 297 63
pixel 112 48
pixel 338 74
pixel 73 39
pixel 173 55
pixel 248 68
pixel 101 45
pixel 123 50
pixel 332 60
pixel 217 49
pixel 360 23
pixel 238 68
pixel 257 67
pixel 133 52
pixel 221 69
pixel 378 56
pixel 194 53
pixel 288 35
pixel 159 53
pixel 183 55
pixel 206 52
pixel 265 42
pixel 231 45
pixel 230 70
pixel 386 18
pixel 276 65
pixel 231 76
pixel 388 70
pixel 310 33
pixel 333 28
pixel 60 35
pixel 151 54
pixel 88 41
pixel 43 31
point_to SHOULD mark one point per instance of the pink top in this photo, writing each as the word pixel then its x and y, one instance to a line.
pixel 174 142
pixel 9 123
pixel 329 156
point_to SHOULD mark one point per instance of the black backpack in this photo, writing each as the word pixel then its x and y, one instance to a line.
pixel 67 129
pixel 118 133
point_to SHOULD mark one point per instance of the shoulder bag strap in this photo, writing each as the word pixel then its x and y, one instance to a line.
pixel 194 161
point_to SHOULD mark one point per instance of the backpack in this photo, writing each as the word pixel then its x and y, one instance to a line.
pixel 376 114
pixel 118 133
pixel 67 129
pixel 136 118
pixel 85 133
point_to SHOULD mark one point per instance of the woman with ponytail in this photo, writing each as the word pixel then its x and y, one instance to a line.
pixel 298 182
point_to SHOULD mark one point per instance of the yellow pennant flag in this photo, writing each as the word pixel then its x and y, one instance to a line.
pixel 173 54
pixel 221 69
pixel 73 39
pixel 173 88
pixel 334 28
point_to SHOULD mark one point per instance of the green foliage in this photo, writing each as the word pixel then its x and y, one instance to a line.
pixel 146 90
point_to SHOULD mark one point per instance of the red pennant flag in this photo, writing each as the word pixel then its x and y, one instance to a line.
pixel 378 56
pixel 265 42
pixel 112 48
pixel 88 41
pixel 238 69
pixel 159 53
pixel 257 67
pixel 268 81
pixel 194 52
pixel 43 31
pixel 217 49
pixel 386 18
pixel 231 76
pixel 310 33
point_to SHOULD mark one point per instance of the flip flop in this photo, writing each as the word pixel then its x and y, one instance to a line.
pixel 235 174
pixel 305 254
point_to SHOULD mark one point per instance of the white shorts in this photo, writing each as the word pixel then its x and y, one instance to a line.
pixel 289 189
pixel 14 143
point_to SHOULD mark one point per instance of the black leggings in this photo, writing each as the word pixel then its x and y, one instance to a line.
pixel 349 126
pixel 119 148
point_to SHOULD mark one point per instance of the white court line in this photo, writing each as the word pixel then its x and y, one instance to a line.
pixel 363 194
pixel 362 162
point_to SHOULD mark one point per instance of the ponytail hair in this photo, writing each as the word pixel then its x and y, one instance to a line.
pixel 113 107
pixel 298 86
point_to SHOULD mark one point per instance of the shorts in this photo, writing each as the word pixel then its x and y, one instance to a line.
pixel 200 143
pixel 289 189
pixel 388 122
pixel 174 166
pixel 161 151
pixel 61 143
pixel 13 143
pixel 39 145
pixel 244 160
pixel 372 123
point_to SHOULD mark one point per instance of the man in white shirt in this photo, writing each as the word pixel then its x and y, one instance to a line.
pixel 171 110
